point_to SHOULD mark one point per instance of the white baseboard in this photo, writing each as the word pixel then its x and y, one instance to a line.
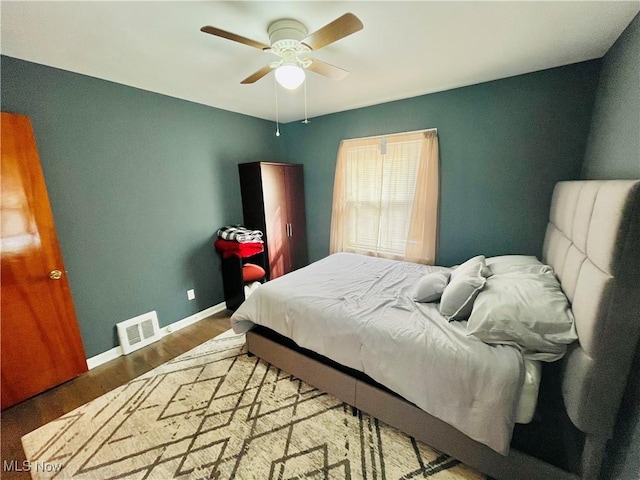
pixel 116 352
pixel 185 322
pixel 104 357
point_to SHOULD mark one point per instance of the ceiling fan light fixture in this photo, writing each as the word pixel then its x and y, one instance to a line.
pixel 290 76
pixel 289 40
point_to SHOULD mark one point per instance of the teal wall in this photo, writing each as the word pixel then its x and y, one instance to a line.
pixel 613 148
pixel 614 152
pixel 503 146
pixel 139 183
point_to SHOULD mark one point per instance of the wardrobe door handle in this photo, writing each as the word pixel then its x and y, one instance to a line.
pixel 291 229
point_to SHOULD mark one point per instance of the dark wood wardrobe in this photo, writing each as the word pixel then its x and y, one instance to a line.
pixel 273 202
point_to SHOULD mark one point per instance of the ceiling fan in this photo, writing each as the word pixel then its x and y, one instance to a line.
pixel 290 41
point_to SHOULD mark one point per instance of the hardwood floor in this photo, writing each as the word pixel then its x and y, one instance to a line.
pixel 25 417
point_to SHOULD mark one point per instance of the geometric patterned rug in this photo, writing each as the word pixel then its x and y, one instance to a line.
pixel 214 412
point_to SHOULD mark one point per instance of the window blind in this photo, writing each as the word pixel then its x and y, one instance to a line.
pixel 385 197
pixel 380 191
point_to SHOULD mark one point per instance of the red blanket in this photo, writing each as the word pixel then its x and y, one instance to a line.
pixel 235 249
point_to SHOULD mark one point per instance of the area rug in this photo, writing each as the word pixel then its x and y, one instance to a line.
pixel 214 412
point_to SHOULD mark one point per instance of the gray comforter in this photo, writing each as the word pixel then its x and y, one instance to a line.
pixel 358 311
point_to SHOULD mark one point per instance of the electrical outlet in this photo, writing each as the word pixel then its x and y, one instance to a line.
pixel 191 294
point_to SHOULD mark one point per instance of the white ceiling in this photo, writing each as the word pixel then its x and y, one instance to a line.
pixel 405 49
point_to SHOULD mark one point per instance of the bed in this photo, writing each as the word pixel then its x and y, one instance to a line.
pixel 592 243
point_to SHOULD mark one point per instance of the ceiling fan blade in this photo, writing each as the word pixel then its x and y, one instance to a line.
pixel 254 77
pixel 332 32
pixel 328 70
pixel 236 38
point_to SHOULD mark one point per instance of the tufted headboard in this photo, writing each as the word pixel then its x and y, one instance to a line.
pixel 593 243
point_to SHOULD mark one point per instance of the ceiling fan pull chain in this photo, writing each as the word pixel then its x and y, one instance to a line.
pixel 306 120
pixel 277 119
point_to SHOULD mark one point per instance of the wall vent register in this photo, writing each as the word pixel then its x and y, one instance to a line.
pixel 138 332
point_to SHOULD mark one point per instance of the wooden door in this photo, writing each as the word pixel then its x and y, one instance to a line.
pixel 40 344
pixel 296 215
pixel 275 214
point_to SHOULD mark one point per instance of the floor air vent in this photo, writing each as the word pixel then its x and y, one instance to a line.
pixel 138 332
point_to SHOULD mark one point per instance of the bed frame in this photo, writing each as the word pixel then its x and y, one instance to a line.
pixel 593 243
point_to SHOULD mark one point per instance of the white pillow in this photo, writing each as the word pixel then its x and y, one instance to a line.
pixel 526 310
pixel 458 296
pixel 470 263
pixel 431 286
pixel 516 263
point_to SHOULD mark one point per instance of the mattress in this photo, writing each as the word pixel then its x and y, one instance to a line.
pixel 358 311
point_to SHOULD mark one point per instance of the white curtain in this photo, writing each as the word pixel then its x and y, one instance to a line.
pixel 385 198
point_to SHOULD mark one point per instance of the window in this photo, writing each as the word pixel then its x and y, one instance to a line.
pixel 385 197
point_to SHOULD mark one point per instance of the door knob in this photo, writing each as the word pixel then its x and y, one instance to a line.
pixel 55 274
